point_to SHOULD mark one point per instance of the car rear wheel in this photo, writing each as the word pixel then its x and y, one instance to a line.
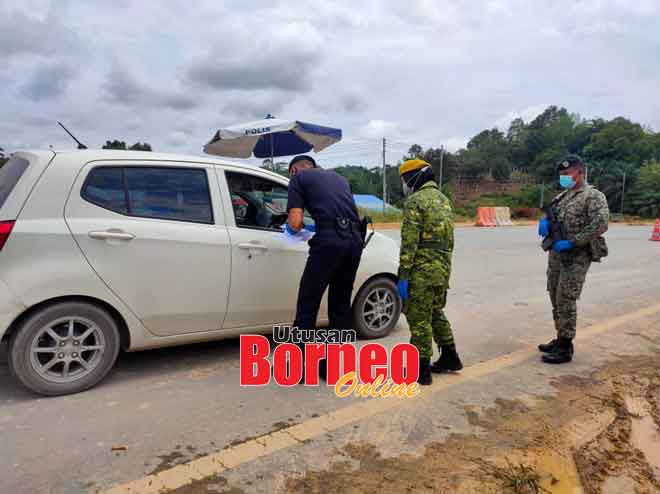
pixel 376 308
pixel 64 348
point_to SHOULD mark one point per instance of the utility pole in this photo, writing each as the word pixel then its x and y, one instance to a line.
pixel 623 191
pixel 384 178
pixel 442 155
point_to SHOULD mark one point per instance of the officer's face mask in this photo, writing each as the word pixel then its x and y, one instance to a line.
pixel 404 186
pixel 566 181
pixel 409 189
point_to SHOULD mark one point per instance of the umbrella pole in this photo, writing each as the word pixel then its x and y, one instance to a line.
pixel 272 153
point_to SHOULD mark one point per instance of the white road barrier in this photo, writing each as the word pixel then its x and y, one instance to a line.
pixel 503 216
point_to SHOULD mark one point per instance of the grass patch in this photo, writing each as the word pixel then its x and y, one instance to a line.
pixel 514 478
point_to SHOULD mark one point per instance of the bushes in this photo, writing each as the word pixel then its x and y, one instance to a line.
pixel 525 213
pixel 390 216
pixel 523 204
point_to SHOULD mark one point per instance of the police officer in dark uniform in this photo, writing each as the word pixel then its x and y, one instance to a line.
pixel 334 250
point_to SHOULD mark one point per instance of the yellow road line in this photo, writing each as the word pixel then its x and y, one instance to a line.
pixel 253 449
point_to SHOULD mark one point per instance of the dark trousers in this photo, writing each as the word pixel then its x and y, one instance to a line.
pixel 332 263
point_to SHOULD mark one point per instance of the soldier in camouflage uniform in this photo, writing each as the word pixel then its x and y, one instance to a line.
pixel 584 214
pixel 427 242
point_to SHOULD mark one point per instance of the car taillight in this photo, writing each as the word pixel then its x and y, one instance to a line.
pixel 5 229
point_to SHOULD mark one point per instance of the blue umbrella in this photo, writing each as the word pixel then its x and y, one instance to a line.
pixel 271 137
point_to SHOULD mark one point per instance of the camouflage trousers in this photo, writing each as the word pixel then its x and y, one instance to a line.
pixel 566 274
pixel 425 314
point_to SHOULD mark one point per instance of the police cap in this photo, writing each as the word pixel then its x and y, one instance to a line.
pixel 302 157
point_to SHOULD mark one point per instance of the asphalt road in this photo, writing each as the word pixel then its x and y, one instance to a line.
pixel 168 406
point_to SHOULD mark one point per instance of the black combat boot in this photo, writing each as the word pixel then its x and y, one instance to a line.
pixel 448 361
pixel 548 347
pixel 425 378
pixel 562 353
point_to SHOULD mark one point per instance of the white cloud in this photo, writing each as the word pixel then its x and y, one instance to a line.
pixel 378 128
pixel 414 72
pixel 527 114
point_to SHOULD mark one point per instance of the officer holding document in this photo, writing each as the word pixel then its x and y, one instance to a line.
pixel 334 249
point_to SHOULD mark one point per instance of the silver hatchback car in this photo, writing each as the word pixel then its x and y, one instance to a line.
pixel 108 250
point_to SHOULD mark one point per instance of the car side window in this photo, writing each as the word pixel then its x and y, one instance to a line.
pixel 256 201
pixel 169 193
pixel 105 188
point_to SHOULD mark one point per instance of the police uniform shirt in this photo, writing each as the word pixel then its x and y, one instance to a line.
pixel 323 194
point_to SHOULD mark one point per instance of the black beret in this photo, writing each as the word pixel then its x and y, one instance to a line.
pixel 569 161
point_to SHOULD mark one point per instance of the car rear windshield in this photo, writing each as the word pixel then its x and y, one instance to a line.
pixel 10 174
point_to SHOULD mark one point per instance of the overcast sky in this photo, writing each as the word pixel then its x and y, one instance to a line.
pixel 428 72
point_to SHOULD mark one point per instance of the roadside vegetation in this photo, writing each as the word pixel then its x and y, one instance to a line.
pixel 611 148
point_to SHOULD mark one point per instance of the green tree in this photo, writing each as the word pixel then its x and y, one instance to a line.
pixel 415 151
pixel 436 157
pixel 645 196
pixel 548 140
pixel 620 140
pixel 138 146
pixel 488 154
pixel 607 176
pixel 516 138
pixel 582 134
pixel 116 144
pixel 609 147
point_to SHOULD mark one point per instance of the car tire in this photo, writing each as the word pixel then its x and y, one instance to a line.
pixel 64 348
pixel 376 308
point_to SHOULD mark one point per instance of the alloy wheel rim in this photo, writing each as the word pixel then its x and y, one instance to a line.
pixel 67 349
pixel 378 309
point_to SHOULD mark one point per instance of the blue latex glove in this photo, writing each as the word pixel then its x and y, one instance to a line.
pixel 402 286
pixel 563 245
pixel 544 227
pixel 310 228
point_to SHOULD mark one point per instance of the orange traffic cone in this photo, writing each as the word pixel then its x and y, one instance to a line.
pixel 655 235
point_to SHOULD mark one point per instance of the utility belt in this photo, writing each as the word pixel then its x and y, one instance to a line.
pixel 433 244
pixel 344 227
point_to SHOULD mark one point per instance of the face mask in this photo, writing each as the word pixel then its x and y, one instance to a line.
pixel 407 189
pixel 566 181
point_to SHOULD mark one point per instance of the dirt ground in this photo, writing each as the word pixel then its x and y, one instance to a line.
pixel 596 435
pixel 599 434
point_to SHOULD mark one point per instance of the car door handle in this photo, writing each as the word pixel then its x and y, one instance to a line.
pixel 250 245
pixel 111 235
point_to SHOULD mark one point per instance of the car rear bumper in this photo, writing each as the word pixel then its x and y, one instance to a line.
pixel 10 308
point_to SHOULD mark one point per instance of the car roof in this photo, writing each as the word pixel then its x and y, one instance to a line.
pixel 86 155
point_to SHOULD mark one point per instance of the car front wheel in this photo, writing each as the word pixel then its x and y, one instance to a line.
pixel 377 308
pixel 64 348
